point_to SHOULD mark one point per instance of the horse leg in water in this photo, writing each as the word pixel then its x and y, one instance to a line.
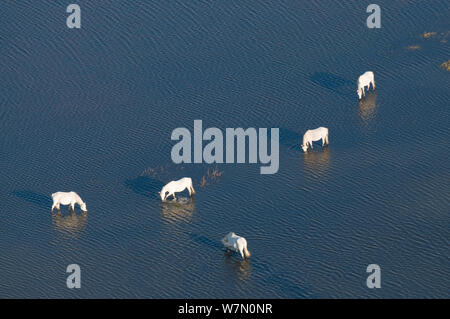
pixel 241 251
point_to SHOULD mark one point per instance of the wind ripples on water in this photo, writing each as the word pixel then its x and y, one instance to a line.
pixel 92 110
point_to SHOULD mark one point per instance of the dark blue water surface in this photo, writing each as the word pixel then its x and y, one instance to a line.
pixel 92 110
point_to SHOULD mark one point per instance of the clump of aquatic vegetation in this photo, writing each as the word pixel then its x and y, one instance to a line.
pixel 211 176
pixel 441 35
pixel 446 65
pixel 429 34
pixel 169 172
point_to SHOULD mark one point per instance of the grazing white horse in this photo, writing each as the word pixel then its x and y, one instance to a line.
pixel 68 198
pixel 363 81
pixel 177 186
pixel 236 243
pixel 310 136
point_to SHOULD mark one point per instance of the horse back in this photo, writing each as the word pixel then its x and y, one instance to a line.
pixel 367 77
pixel 316 133
pixel 186 180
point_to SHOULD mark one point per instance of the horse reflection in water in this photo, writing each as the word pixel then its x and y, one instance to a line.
pixel 367 107
pixel 317 163
pixel 240 267
pixel 71 224
pixel 177 210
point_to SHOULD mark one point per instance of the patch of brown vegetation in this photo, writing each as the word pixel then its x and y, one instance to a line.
pixel 427 35
pixel 441 36
pixel 203 182
pixel 446 65
pixel 170 172
pixel 211 176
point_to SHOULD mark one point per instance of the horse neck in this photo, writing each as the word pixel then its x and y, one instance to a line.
pixel 166 189
pixel 306 138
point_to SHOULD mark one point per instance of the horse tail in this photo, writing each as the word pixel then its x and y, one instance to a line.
pixel 191 187
pixel 246 252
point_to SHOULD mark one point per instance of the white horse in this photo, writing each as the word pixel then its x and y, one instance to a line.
pixel 365 80
pixel 177 186
pixel 310 136
pixel 236 243
pixel 68 198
